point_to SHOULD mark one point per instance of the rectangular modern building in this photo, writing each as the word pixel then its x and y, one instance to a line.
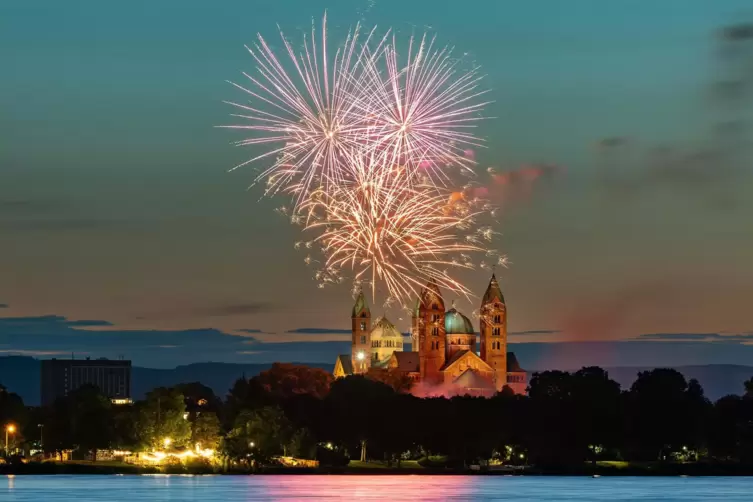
pixel 61 376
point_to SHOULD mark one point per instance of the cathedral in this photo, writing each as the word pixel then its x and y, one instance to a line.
pixel 443 352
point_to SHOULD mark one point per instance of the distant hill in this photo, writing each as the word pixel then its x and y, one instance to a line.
pixel 20 374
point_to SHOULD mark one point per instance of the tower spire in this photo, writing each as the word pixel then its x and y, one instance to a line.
pixel 493 330
pixel 493 292
pixel 360 307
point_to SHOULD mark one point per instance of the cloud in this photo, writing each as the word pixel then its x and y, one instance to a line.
pixel 734 338
pixel 84 323
pixel 52 335
pixel 4 306
pixel 47 323
pixel 737 32
pixel 256 331
pixel 611 142
pixel 536 332
pixel 320 331
pixel 36 353
pixel 705 171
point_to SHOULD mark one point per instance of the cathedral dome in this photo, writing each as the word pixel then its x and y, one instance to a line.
pixel 456 323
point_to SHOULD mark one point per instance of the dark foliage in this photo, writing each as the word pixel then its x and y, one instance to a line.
pixel 566 419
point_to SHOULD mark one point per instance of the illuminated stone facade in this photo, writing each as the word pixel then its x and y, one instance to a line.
pixel 444 346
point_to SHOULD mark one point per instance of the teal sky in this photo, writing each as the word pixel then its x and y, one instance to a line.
pixel 116 203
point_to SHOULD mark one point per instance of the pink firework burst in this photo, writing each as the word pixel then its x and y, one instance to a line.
pixel 424 111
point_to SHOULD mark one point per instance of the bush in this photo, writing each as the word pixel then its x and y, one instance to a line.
pixel 331 458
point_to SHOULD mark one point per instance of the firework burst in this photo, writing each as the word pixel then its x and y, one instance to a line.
pixel 312 114
pixel 364 141
pixel 420 114
pixel 425 110
pixel 391 233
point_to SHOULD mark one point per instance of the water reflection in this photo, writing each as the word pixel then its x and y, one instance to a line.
pixel 365 488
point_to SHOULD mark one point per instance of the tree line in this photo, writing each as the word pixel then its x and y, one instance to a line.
pixel 290 410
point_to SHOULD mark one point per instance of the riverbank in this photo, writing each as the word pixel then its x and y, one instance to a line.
pixel 377 468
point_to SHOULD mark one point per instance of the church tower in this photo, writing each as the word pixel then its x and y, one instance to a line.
pixel 415 326
pixel 431 336
pixel 494 332
pixel 361 332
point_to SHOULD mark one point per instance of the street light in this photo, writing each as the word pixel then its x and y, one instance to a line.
pixel 9 429
pixel 167 442
pixel 251 444
pixel 360 356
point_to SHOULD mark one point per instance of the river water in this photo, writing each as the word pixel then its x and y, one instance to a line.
pixel 364 488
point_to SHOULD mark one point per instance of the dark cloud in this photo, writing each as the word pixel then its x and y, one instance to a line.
pixel 536 332
pixel 36 353
pixel 737 32
pixel 50 336
pixel 258 331
pixel 729 89
pixel 320 331
pixel 611 142
pixel 739 338
pixel 705 171
pixel 83 323
pixel 4 306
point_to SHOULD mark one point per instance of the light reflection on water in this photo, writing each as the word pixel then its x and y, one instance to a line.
pixel 387 488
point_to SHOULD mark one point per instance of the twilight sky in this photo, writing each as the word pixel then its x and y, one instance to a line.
pixel 121 231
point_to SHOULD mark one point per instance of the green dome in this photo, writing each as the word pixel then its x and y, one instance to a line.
pixel 456 323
